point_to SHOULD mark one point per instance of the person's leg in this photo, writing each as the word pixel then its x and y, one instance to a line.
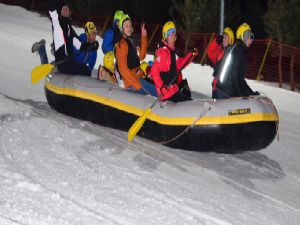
pixel 39 47
pixel 179 97
pixel 74 68
pixel 147 88
pixel 184 88
pixel 213 94
pixel 218 94
pixel 43 54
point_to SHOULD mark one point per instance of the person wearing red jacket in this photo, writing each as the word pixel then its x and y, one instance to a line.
pixel 216 50
pixel 166 68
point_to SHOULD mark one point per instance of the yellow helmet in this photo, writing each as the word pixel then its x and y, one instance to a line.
pixel 122 20
pixel 241 30
pixel 144 65
pixel 109 61
pixel 90 28
pixel 229 32
pixel 118 15
pixel 168 28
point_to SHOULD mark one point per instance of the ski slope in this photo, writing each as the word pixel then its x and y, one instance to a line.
pixel 55 169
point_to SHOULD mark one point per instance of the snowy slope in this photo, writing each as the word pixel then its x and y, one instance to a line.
pixel 59 170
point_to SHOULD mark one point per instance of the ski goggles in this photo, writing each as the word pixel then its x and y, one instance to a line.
pixel 172 30
pixel 248 34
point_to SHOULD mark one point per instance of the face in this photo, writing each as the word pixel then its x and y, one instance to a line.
pixel 65 11
pixel 172 39
pixel 250 41
pixel 92 37
pixel 127 28
pixel 226 39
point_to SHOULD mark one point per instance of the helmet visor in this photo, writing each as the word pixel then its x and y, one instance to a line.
pixel 170 31
pixel 248 34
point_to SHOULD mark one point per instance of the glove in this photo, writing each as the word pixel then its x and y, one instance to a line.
pixel 167 92
pixel 95 45
pixel 219 39
pixel 195 51
pixel 86 46
pixel 256 93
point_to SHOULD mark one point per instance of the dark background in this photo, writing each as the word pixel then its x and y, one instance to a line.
pixel 277 19
pixel 158 11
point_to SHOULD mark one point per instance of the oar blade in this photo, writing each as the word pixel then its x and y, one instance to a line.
pixel 134 129
pixel 40 72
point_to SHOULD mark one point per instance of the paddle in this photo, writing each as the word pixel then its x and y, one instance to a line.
pixel 137 125
pixel 40 72
pixel 134 129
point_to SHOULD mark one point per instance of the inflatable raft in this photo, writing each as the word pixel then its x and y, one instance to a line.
pixel 232 125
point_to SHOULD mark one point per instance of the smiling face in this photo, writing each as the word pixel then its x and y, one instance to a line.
pixel 65 11
pixel 127 28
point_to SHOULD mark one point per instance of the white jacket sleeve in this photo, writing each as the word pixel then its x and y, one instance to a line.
pixel 58 34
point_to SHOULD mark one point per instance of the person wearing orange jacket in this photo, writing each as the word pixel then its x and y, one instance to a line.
pixel 166 68
pixel 216 50
pixel 128 60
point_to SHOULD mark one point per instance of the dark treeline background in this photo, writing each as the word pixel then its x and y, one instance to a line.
pixel 278 19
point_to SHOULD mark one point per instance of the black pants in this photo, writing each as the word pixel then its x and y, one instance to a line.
pixel 73 67
pixel 179 97
pixel 218 94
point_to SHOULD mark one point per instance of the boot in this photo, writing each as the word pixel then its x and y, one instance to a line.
pixel 36 45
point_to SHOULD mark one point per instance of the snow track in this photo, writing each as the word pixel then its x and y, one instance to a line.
pixel 55 169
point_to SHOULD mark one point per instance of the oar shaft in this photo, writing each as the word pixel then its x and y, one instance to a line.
pixel 137 125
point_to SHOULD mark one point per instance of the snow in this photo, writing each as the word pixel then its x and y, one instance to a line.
pixel 55 169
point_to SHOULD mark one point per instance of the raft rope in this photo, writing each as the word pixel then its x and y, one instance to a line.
pixel 203 113
pixel 267 101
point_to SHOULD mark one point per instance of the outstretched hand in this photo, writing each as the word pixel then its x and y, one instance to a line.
pixel 143 30
pixel 219 39
pixel 195 51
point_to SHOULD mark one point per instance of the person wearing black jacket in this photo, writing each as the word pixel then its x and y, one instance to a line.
pixel 65 38
pixel 216 49
pixel 231 76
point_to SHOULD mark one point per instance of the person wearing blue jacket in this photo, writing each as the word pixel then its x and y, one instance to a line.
pixel 65 39
pixel 112 35
pixel 88 57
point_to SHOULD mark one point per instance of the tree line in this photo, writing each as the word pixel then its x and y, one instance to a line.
pixel 277 19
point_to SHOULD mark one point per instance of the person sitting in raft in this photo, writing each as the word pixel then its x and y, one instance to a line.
pixel 87 57
pixel 113 34
pixel 107 71
pixel 65 38
pixel 215 52
pixel 166 68
pixel 231 76
pixel 128 60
